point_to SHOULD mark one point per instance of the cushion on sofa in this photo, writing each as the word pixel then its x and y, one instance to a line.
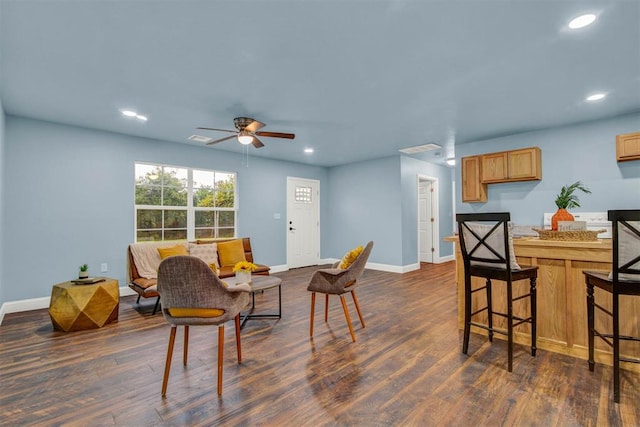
pixel 178 249
pixel 231 252
pixel 146 258
pixel 207 253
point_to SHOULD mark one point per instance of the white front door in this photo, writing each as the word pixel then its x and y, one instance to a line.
pixel 303 222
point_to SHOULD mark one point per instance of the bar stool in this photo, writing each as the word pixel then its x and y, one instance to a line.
pixel 486 245
pixel 623 280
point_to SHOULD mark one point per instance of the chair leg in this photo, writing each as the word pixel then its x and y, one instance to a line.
pixel 346 314
pixel 534 315
pixel 489 310
pixel 510 325
pixel 138 300
pixel 167 364
pixel 326 308
pixel 355 302
pixel 238 345
pixel 591 324
pixel 467 315
pixel 220 356
pixel 616 349
pixel 155 307
pixel 313 306
pixel 185 347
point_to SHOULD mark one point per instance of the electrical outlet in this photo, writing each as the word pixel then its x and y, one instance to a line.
pixel 103 267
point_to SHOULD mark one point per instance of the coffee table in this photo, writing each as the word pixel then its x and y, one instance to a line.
pixel 260 283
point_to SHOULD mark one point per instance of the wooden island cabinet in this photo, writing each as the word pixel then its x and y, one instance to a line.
pixel 561 298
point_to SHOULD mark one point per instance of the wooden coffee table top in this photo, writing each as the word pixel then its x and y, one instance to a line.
pixel 258 282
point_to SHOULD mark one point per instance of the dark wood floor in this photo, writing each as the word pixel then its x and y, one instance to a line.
pixel 405 368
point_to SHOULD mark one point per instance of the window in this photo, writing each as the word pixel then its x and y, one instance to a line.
pixel 176 203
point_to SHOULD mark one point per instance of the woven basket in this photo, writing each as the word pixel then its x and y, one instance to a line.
pixel 577 235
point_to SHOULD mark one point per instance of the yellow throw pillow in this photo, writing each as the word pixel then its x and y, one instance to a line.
pixel 231 252
pixel 349 257
pixel 172 251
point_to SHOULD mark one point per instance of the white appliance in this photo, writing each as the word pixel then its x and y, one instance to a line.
pixel 594 220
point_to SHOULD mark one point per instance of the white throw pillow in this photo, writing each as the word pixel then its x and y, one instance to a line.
pixel 495 240
pixel 207 252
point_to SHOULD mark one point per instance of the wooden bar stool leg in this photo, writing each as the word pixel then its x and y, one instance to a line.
pixel 185 347
pixel 326 308
pixel 313 306
pixel 346 314
pixel 510 325
pixel 533 300
pixel 467 314
pixel 489 310
pixel 591 324
pixel 616 349
pixel 220 355
pixel 167 364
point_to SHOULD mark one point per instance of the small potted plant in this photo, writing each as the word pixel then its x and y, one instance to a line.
pixel 84 271
pixel 243 271
pixel 567 200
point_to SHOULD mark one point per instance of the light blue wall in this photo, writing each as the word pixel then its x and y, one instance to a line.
pixel 585 152
pixel 69 200
pixel 410 169
pixel 364 203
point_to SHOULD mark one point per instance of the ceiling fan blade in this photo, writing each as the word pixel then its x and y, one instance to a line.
pixel 220 140
pixel 221 130
pixel 277 135
pixel 254 126
pixel 257 143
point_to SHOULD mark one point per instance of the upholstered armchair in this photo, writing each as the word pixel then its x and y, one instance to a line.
pixel 337 281
pixel 193 295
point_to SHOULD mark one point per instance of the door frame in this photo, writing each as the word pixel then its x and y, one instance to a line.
pixel 435 234
pixel 286 228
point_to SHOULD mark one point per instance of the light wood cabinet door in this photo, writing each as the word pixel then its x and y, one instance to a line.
pixel 525 164
pixel 495 167
pixel 472 189
pixel 628 147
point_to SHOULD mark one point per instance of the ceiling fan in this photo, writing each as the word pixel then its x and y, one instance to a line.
pixel 247 132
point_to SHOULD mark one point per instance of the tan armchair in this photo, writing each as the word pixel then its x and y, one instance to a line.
pixel 336 281
pixel 193 295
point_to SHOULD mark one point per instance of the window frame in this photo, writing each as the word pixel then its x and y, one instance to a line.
pixel 190 208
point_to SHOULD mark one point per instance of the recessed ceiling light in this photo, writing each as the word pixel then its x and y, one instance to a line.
pixel 308 150
pixel 128 113
pixel 582 21
pixel 140 117
pixel 596 97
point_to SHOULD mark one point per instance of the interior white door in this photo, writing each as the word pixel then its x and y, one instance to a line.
pixel 303 222
pixel 425 221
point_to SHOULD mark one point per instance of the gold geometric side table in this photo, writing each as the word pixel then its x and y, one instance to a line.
pixel 78 307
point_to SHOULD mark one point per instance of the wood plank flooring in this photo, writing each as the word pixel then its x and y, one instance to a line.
pixel 405 369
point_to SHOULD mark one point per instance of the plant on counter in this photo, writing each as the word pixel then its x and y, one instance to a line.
pixel 84 267
pixel 244 266
pixel 566 199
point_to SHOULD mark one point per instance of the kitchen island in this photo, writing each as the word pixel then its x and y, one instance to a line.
pixel 561 298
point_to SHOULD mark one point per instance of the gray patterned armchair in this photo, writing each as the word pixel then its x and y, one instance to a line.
pixel 336 281
pixel 193 295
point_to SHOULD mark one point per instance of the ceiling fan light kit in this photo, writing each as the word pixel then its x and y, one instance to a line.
pixel 247 132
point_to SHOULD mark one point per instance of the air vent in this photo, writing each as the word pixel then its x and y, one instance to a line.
pixel 420 148
pixel 200 138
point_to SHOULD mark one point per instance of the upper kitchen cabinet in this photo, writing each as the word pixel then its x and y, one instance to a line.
pixel 472 189
pixel 628 147
pixel 516 165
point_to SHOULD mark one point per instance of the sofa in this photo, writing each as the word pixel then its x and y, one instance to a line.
pixel 221 254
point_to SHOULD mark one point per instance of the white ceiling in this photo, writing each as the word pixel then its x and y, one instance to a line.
pixel 355 80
